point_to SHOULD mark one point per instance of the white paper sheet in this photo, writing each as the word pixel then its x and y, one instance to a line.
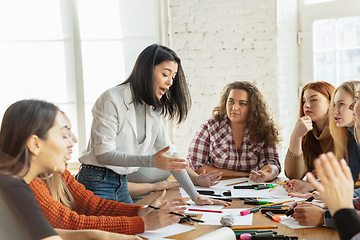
pixel 166 231
pixel 214 218
pixel 221 233
pixel 292 223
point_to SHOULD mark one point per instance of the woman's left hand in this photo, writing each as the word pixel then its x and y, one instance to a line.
pixel 314 194
pixel 261 175
pixel 156 203
pixel 209 179
pixel 200 200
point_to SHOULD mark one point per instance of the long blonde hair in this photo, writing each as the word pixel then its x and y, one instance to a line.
pixel 341 135
pixel 58 189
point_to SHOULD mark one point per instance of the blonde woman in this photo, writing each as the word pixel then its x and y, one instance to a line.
pixel 68 205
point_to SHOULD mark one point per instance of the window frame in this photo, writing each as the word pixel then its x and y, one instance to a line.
pixel 310 13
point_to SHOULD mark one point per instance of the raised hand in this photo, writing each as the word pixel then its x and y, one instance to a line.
pixel 336 186
pixel 166 163
pixel 209 179
pixel 261 175
pixel 163 185
pixel 162 217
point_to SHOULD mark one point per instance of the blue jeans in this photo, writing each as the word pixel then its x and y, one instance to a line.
pixel 105 183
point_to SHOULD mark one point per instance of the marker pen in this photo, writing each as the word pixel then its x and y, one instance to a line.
pixel 275 211
pixel 211 193
pixel 248 211
pixel 256 202
pixel 248 186
pixel 291 211
pixel 246 236
pixel 274 217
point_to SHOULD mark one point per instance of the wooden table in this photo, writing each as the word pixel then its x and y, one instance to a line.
pixel 258 220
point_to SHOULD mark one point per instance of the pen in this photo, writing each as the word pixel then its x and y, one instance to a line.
pixel 156 208
pixel 291 211
pixel 277 211
pixel 235 183
pixel 256 202
pixel 273 188
pixel 270 204
pixel 273 216
pixel 284 182
pixel 248 186
pixel 203 210
pixel 274 207
pixel 261 187
pixel 248 236
pixel 254 231
pixel 205 192
pixel 254 227
pixel 222 199
pixel 248 211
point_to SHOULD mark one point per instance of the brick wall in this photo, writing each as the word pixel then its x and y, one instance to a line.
pixel 221 41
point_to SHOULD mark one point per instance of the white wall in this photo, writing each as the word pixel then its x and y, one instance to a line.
pixel 221 41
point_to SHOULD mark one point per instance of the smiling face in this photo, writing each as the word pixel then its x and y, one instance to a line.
pixel 73 138
pixel 164 75
pixel 54 148
pixel 237 107
pixel 315 105
pixel 343 116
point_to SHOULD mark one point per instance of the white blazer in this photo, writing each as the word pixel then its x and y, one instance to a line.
pixel 114 128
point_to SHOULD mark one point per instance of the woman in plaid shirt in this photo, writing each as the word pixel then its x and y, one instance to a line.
pixel 240 139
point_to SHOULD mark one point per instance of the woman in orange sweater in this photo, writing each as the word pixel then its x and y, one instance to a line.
pixel 68 205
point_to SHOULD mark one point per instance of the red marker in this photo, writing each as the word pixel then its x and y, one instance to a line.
pixel 274 217
pixel 203 210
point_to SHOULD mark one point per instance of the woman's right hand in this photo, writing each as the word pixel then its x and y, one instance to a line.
pixel 162 217
pixel 299 186
pixel 164 185
pixel 166 163
pixel 336 187
pixel 302 127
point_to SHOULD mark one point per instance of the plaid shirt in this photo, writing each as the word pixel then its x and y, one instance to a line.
pixel 214 145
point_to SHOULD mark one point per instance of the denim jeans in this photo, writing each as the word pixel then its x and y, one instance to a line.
pixel 106 184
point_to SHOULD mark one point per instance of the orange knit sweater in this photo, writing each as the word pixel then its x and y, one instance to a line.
pixel 89 211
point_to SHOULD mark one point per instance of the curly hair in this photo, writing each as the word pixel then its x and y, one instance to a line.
pixel 259 113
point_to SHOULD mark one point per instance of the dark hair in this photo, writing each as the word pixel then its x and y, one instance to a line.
pixel 259 121
pixel 22 120
pixel 310 145
pixel 177 101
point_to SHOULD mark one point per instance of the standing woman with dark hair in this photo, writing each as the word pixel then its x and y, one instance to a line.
pixel 311 135
pixel 128 132
pixel 240 139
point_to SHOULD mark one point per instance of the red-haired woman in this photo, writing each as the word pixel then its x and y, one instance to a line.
pixel 311 135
